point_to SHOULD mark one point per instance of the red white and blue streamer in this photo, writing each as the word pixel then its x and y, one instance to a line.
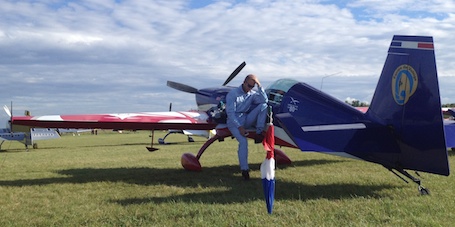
pixel 268 168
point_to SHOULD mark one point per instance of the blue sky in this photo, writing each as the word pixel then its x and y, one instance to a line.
pixel 106 56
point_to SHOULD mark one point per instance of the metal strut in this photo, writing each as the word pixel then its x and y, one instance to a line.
pixel 161 140
pixel 422 190
pixel 151 148
pixel 220 135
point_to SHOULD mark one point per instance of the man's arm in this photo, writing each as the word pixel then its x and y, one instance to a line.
pixel 262 96
pixel 231 107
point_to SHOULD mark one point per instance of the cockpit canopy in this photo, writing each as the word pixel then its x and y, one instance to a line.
pixel 276 90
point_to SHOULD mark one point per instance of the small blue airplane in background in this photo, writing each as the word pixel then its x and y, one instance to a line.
pixel 29 137
pixel 403 128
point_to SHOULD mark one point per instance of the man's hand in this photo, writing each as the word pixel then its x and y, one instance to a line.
pixel 243 132
pixel 256 80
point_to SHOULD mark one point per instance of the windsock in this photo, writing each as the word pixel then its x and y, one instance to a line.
pixel 268 168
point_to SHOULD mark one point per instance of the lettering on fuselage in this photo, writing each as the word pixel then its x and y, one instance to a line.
pixel 292 106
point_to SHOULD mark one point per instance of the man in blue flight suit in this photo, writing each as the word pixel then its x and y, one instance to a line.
pixel 246 108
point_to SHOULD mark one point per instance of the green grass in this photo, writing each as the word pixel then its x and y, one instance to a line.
pixel 112 180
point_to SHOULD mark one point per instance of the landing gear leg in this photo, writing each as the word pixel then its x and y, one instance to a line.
pixel 422 190
pixel 151 148
pixel 161 140
pixel 191 162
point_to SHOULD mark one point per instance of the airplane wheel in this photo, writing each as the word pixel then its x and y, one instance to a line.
pixel 190 162
pixel 423 191
pixel 190 139
pixel 161 141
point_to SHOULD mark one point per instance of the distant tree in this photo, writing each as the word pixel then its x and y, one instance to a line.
pixel 356 103
pixel 448 105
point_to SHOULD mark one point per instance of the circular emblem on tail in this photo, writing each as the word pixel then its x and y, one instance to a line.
pixel 404 83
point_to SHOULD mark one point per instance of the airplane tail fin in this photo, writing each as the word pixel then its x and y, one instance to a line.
pixel 407 101
pixel 403 127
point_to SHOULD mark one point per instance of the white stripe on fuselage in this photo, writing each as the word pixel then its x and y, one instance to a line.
pixel 48 118
pixel 280 133
pixel 333 127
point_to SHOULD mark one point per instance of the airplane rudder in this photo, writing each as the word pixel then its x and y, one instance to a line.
pixel 407 100
pixel 409 74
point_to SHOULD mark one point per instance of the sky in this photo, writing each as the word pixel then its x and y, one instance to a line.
pixel 115 56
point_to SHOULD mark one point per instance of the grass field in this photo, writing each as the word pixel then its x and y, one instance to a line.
pixel 112 180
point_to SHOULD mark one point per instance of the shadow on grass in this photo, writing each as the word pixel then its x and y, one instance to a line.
pixel 233 189
pixel 13 150
pixel 145 144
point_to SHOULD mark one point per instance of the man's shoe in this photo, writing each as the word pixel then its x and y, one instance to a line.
pixel 246 174
pixel 258 138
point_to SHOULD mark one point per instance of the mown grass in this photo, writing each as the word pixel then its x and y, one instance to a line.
pixel 112 180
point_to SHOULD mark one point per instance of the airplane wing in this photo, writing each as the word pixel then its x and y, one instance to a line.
pixel 126 121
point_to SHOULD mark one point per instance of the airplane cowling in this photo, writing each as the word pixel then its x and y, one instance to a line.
pixel 190 162
pixel 281 158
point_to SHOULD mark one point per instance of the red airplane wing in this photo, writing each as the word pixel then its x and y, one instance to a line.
pixel 126 121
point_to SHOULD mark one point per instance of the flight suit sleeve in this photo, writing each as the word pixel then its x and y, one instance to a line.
pixel 231 108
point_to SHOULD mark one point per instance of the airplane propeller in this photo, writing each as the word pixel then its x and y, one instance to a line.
pixel 10 114
pixel 192 90
pixel 233 74
pixel 7 110
pixel 181 87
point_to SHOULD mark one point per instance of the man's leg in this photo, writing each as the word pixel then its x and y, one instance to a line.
pixel 257 118
pixel 242 149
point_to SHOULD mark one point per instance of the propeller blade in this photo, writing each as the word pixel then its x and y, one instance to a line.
pixel 181 87
pixel 10 114
pixel 7 110
pixel 233 74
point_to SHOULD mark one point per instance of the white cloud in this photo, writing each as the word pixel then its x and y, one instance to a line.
pixel 61 57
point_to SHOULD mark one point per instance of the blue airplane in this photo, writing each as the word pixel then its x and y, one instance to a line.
pixel 402 130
